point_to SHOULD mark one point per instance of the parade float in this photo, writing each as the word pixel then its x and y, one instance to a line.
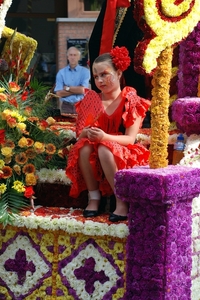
pixel 51 251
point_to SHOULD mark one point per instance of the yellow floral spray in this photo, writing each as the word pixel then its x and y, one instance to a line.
pixel 159 110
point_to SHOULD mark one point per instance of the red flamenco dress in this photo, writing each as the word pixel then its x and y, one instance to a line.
pixel 91 112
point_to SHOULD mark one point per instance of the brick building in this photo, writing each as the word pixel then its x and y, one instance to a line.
pixel 55 24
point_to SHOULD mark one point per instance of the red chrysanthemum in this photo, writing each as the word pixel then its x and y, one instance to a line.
pixel 120 58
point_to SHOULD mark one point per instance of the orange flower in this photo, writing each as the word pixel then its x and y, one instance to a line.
pixel 9 143
pixel 11 122
pixel 29 168
pixel 30 142
pixel 33 119
pixel 3 97
pixel 30 153
pixel 21 158
pixel 50 149
pixel 30 179
pixel 7 172
pixel 14 87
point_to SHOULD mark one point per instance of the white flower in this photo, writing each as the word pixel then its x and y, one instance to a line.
pixel 119 230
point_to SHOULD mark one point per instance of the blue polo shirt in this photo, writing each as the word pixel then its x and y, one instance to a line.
pixel 72 77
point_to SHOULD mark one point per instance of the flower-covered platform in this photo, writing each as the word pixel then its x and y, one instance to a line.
pixel 54 253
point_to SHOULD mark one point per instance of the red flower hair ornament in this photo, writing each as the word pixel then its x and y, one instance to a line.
pixel 120 58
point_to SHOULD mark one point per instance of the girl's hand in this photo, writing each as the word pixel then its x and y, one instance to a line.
pixel 95 134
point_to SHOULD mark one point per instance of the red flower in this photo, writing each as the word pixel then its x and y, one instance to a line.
pixel 29 192
pixel 2 136
pixel 120 58
pixel 24 95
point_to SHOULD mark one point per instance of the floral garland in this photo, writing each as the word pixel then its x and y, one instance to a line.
pixel 164 23
pixel 4 7
pixel 189 65
pixel 159 111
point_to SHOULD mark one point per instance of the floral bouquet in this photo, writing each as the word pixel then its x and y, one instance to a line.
pixel 27 142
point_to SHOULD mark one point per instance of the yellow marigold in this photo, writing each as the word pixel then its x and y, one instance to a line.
pixel 30 153
pixel 7 172
pixel 29 168
pixel 3 188
pixel 21 127
pixel 2 89
pixel 30 179
pixel 18 186
pixel 39 147
pixel 5 114
pixel 22 143
pixel 21 158
pixel 3 97
pixel 6 151
pixel 50 148
pixel 2 163
pixel 17 169
pixel 51 120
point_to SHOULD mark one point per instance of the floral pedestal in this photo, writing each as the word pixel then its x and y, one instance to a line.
pixel 54 253
pixel 159 252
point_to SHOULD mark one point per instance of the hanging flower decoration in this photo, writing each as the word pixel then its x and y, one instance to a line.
pixel 120 58
pixel 164 24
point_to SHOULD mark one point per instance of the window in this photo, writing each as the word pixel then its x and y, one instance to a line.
pixel 84 8
pixel 92 5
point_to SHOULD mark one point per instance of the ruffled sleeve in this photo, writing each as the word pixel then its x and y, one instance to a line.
pixel 89 109
pixel 134 106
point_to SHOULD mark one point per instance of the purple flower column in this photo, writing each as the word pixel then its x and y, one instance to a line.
pixel 159 256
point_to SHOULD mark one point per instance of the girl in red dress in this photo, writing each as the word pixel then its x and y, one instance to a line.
pixel 107 125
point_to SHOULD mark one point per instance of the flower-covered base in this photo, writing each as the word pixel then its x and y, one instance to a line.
pixel 159 247
pixel 55 253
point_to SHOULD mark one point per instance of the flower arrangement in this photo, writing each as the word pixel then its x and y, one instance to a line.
pixel 158 22
pixel 186 112
pixel 27 142
pixel 14 42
